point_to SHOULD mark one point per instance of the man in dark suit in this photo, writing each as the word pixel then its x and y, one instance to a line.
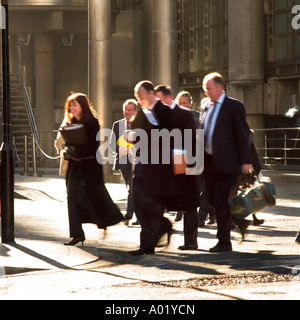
pixel 152 182
pixel 185 100
pixel 227 153
pixel 182 119
pixel 123 158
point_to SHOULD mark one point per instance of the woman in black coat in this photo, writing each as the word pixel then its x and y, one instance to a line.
pixel 88 198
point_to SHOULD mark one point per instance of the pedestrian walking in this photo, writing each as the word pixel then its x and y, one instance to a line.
pixel 227 154
pixel 152 182
pixel 183 120
pixel 123 156
pixel 185 101
pixel 88 198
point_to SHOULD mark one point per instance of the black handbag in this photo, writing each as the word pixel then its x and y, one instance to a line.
pixel 252 197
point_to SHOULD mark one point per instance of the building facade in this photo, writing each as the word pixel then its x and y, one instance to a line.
pixel 104 47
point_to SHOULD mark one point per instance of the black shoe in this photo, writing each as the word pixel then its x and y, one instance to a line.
pixel 211 221
pixel 179 216
pixel 188 247
pixel 243 226
pixel 75 241
pixel 257 222
pixel 141 252
pixel 298 239
pixel 221 248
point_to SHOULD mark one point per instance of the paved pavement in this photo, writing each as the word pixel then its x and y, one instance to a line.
pixel 38 266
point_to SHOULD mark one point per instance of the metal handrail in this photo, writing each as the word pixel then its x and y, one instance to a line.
pixel 28 106
pixel 281 149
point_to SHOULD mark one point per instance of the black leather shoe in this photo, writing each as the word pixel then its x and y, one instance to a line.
pixel 243 226
pixel 221 248
pixel 136 223
pixel 179 216
pixel 257 222
pixel 188 247
pixel 141 252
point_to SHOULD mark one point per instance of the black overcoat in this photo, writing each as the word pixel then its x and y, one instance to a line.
pixel 88 197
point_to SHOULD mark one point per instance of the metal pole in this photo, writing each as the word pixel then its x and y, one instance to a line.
pixel 285 149
pixel 25 156
pixel 34 156
pixel 7 161
pixel 266 148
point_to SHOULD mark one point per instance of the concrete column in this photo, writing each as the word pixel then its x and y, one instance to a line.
pixel 100 69
pixel 246 53
pixel 165 43
pixel 147 39
pixel 246 40
pixel 44 72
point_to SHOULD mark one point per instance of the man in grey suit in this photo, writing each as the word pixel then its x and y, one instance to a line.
pixel 227 154
pixel 123 161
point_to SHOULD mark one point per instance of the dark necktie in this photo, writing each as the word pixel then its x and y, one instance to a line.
pixel 208 133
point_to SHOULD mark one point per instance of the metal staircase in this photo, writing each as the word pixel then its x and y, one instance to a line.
pixel 20 123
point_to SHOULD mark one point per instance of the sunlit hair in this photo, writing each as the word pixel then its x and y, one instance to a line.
pixel 147 85
pixel 86 106
pixel 217 77
pixel 184 94
pixel 130 101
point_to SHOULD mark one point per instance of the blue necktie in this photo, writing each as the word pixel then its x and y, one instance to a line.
pixel 149 115
pixel 208 133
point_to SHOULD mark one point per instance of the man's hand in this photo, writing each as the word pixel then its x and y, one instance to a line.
pixel 123 151
pixel 247 168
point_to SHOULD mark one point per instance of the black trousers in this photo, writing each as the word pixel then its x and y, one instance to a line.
pixel 127 175
pixel 150 213
pixel 219 189
pixel 190 227
pixel 205 207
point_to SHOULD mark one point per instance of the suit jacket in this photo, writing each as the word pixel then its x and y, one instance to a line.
pixel 119 127
pixel 187 186
pixel 231 137
pixel 157 178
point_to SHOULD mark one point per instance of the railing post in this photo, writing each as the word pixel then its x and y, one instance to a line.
pixel 25 156
pixel 285 149
pixel 34 157
pixel 266 148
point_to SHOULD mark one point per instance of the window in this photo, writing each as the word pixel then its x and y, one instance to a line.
pixel 283 40
pixel 203 35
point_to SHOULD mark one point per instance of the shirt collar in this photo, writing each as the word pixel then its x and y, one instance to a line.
pixel 173 105
pixel 221 98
